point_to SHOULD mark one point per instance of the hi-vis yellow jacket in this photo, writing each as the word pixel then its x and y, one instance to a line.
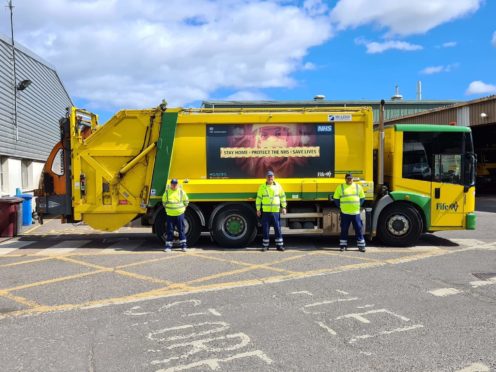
pixel 175 201
pixel 271 198
pixel 349 197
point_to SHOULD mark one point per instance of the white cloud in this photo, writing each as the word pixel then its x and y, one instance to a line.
pixel 308 66
pixel 129 53
pixel 315 7
pixel 374 47
pixel 479 87
pixel 449 44
pixel 493 41
pixel 401 17
pixel 438 69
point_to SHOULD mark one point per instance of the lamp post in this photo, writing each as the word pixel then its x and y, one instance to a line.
pixel 22 84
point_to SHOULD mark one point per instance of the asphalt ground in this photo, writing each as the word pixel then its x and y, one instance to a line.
pixel 72 299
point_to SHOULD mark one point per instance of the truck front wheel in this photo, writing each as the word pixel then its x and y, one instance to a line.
pixel 234 226
pixel 400 225
pixel 192 226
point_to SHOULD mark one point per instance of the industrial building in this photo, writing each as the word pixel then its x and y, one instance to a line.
pixel 396 107
pixel 480 115
pixel 32 100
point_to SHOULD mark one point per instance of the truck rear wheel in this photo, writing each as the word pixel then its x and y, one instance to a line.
pixel 400 225
pixel 192 226
pixel 234 226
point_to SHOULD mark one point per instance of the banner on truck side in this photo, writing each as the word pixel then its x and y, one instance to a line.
pixel 289 150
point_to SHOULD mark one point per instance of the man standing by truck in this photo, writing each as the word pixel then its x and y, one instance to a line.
pixel 175 201
pixel 349 197
pixel 271 200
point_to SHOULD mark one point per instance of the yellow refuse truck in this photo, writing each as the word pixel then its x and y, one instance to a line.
pixel 109 175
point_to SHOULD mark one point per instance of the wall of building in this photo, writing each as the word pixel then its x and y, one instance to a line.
pixel 463 114
pixel 24 147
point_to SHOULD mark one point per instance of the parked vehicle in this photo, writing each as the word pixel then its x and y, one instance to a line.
pixel 109 175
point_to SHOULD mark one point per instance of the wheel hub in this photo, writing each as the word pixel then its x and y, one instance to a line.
pixel 235 225
pixel 398 225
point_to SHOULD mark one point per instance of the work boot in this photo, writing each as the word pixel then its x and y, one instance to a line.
pixel 280 248
pixel 362 249
pixel 343 248
pixel 265 249
pixel 167 249
pixel 184 249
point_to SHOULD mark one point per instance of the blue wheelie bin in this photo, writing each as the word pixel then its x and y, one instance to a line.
pixel 27 208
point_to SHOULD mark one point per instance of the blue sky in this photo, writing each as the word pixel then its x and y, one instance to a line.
pixel 117 54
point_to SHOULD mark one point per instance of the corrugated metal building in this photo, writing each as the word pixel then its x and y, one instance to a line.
pixel 393 109
pixel 474 113
pixel 25 147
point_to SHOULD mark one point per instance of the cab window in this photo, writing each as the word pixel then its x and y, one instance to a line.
pixel 435 156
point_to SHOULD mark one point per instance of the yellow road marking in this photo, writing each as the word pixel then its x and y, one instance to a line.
pixel 173 291
pixel 220 275
pixel 419 256
pixel 26 262
pixel 117 271
pixel 28 231
pixel 144 277
pixel 51 281
pixel 83 263
pixel 152 260
pixel 340 254
pixel 243 270
pixel 183 288
pixel 236 262
pixel 19 299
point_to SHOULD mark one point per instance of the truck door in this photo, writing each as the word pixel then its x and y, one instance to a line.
pixel 437 156
pixel 447 193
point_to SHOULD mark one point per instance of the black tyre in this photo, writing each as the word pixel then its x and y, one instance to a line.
pixel 192 226
pixel 234 226
pixel 400 225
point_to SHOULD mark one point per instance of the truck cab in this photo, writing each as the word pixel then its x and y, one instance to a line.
pixel 430 177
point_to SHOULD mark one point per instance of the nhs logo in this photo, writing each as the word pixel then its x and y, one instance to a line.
pixel 324 128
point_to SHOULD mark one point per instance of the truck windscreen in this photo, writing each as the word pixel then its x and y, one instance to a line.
pixel 438 157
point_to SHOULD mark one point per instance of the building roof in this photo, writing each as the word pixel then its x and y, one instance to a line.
pixel 22 49
pixel 393 108
pixel 480 111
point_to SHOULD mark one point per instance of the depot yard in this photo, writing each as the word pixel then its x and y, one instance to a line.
pixel 75 299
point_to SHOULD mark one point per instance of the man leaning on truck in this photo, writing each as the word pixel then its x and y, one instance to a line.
pixel 349 197
pixel 175 201
pixel 271 200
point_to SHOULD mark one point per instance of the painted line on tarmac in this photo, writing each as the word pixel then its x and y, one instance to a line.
pixel 63 247
pixel 26 261
pixel 5 251
pixel 340 254
pixel 482 283
pixel 16 244
pixel 165 257
pixel 475 367
pixel 444 292
pixel 468 242
pixel 178 290
pixel 181 289
pixel 117 271
pixel 19 299
pixel 29 231
pixel 249 265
